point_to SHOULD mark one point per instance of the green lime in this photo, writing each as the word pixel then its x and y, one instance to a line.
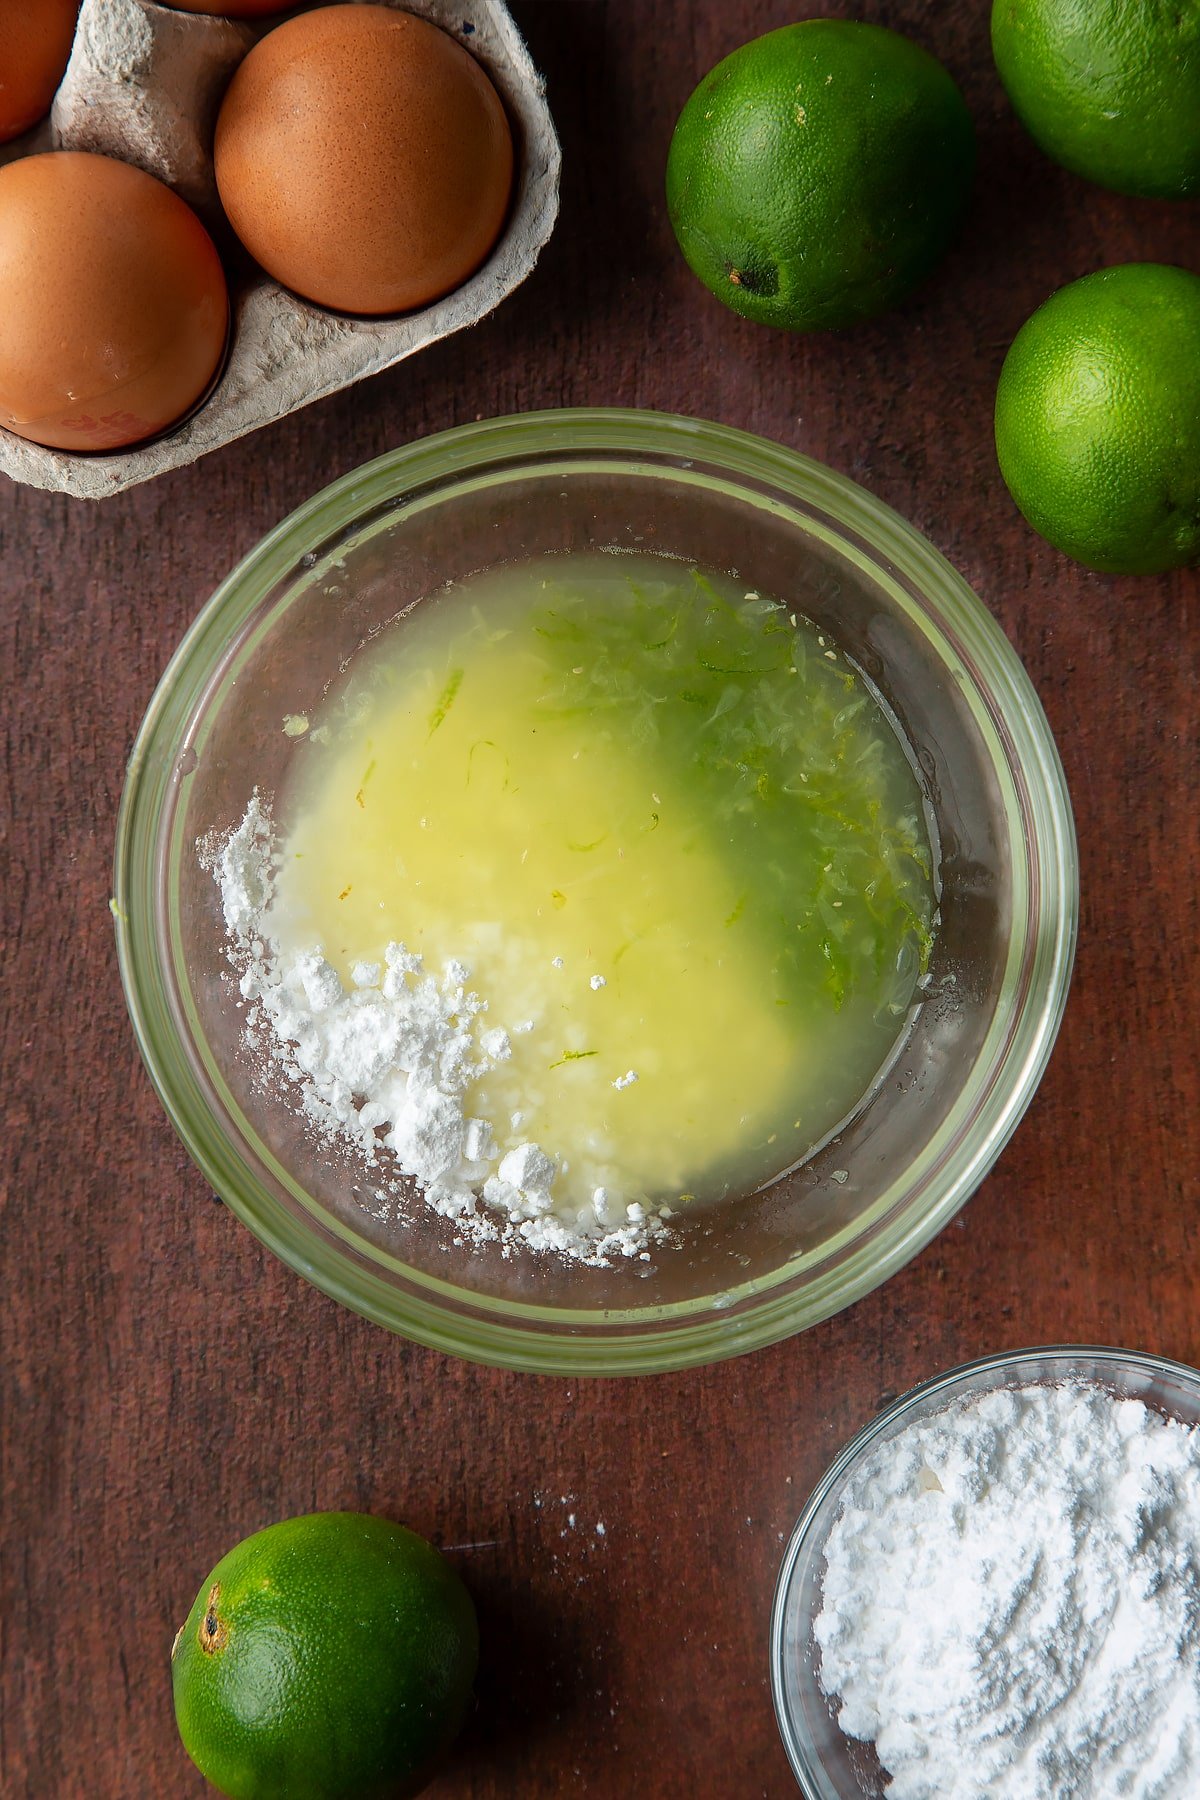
pixel 326 1658
pixel 1108 88
pixel 816 175
pixel 1098 419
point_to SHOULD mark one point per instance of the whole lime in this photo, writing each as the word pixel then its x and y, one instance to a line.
pixel 1098 419
pixel 329 1657
pixel 816 175
pixel 1108 88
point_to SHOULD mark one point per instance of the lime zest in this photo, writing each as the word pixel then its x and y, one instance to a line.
pixel 445 700
pixel 480 744
pixel 361 795
pixel 569 1056
pixel 777 742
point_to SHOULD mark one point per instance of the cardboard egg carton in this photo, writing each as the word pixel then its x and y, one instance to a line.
pixel 145 84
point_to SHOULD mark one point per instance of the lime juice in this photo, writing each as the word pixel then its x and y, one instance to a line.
pixel 669 829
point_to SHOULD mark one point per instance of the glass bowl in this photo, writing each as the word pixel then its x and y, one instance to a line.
pixel 276 633
pixel 827 1764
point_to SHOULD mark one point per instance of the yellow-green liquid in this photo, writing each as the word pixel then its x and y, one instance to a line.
pixel 663 824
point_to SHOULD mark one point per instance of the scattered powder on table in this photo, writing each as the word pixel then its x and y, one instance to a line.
pixel 386 1065
pixel 1011 1602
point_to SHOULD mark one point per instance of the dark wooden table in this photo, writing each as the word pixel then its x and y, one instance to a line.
pixel 168 1387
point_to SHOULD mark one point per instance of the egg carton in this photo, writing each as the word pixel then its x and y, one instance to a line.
pixel 144 84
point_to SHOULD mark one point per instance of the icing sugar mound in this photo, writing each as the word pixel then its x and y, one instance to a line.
pixel 1011 1601
pixel 385 1066
pixel 243 870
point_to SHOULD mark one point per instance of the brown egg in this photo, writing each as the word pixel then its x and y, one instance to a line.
pixel 35 43
pixel 113 306
pixel 364 159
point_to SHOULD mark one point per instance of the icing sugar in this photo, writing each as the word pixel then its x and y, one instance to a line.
pixel 1011 1601
pixel 386 1065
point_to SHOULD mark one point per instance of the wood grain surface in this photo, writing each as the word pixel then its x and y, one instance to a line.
pixel 169 1387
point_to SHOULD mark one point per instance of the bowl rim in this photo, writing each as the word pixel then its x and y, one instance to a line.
pixel 866 530
pixel 805 1762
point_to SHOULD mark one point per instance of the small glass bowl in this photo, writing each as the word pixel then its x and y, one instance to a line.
pixel 827 1764
pixel 275 636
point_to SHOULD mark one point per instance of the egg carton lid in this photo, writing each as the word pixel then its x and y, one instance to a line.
pixel 144 84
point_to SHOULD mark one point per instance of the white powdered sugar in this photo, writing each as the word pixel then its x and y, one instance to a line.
pixel 1011 1602
pixel 385 1066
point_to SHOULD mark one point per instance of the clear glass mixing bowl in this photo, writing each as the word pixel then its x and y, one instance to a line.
pixel 280 628
pixel 827 1764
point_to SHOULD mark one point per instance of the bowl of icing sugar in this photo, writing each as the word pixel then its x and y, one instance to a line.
pixel 994 1590
pixel 595 891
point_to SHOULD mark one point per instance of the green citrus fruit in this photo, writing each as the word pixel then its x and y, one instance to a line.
pixel 816 175
pixel 326 1658
pixel 1108 88
pixel 1098 419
